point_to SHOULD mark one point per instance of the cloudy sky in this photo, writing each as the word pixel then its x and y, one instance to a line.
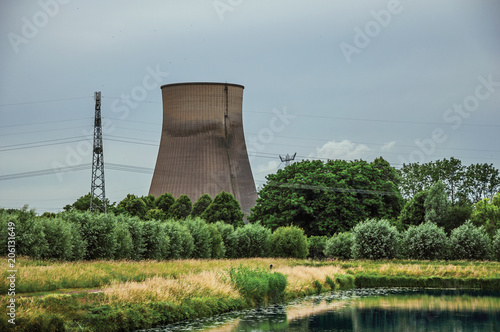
pixel 412 81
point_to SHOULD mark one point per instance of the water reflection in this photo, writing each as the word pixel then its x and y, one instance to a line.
pixel 367 310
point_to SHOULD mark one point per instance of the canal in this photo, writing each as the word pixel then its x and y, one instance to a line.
pixel 365 310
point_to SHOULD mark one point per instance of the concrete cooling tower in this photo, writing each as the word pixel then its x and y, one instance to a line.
pixel 202 148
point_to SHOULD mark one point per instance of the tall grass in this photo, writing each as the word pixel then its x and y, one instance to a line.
pixel 158 289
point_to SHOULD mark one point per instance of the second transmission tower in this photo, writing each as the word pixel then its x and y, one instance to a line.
pixel 288 159
pixel 97 192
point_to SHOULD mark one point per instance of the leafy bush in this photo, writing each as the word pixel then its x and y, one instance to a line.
pixel 124 243
pixel 375 239
pixel 201 236
pixel 289 241
pixel 135 228
pixel 181 241
pixel 316 246
pixel 30 236
pixel 495 246
pixel 78 244
pixel 181 208
pixel 156 241
pixel 216 243
pixel 425 241
pixel 224 208
pixel 201 205
pixel 252 240
pixel 339 246
pixel 99 232
pixel 59 236
pixel 469 242
pixel 258 286
pixel 226 232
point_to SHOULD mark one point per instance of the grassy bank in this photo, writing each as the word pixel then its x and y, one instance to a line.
pixel 127 295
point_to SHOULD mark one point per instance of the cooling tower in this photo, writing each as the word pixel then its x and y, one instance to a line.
pixel 202 148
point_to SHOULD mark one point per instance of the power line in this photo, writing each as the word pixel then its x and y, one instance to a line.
pixel 81 167
pixel 44 122
pixel 379 120
pixel 37 144
pixel 41 101
pixel 42 131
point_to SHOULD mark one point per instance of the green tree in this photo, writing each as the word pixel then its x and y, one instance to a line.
pixel 327 198
pixel 133 206
pixel 458 214
pixel 181 208
pixel 482 181
pixel 224 208
pixel 436 204
pixel 414 178
pixel 150 202
pixel 290 242
pixel 452 173
pixel 413 212
pixel 155 214
pixel 82 203
pixel 486 213
pixel 164 202
pixel 201 205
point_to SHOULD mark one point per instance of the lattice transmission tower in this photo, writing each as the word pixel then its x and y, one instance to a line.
pixel 97 192
pixel 288 159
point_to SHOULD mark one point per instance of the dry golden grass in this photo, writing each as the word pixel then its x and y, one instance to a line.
pixel 429 269
pixel 448 303
pixel 300 278
pixel 206 283
pixel 38 275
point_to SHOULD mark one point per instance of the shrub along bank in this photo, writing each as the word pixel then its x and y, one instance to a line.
pixel 133 295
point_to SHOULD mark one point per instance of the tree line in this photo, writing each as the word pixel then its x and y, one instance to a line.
pixel 82 235
pixel 322 199
pixel 327 198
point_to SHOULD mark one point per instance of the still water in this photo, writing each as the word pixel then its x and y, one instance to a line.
pixel 365 310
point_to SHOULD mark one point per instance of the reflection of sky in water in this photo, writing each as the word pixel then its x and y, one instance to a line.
pixel 365 310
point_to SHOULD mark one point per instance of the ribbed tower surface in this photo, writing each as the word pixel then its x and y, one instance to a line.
pixel 202 148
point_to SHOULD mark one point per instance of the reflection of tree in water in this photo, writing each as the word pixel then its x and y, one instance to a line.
pixel 417 312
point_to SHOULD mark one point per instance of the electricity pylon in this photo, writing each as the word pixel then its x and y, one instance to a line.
pixel 97 192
